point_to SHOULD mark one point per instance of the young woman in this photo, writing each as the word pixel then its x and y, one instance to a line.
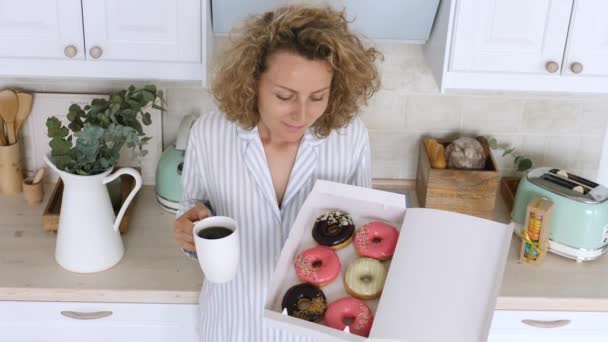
pixel 288 91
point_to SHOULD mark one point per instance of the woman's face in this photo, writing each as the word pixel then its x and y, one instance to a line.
pixel 293 93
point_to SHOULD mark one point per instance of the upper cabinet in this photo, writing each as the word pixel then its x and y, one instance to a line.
pixel 126 39
pixel 587 50
pixel 41 29
pixel 543 45
pixel 161 30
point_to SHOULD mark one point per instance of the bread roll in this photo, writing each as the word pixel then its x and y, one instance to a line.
pixel 436 153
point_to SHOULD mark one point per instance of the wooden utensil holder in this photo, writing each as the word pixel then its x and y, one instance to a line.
pixel 11 169
pixel 33 192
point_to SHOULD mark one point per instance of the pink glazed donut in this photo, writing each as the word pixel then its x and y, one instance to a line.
pixel 318 265
pixel 352 312
pixel 376 240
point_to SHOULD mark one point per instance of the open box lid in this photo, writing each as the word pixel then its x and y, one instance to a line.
pixel 444 278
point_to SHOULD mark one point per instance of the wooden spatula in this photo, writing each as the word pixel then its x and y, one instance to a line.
pixel 9 105
pixel 25 107
pixel 3 141
pixel 38 176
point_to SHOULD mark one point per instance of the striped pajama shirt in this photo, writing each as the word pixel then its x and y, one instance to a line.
pixel 225 167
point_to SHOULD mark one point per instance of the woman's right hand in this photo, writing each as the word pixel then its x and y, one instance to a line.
pixel 184 224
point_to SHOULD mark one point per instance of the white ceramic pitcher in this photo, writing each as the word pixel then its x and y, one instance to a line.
pixel 88 239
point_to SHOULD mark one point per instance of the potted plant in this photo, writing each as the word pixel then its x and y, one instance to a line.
pixel 84 153
pixel 508 184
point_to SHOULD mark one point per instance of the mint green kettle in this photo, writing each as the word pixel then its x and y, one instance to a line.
pixel 169 168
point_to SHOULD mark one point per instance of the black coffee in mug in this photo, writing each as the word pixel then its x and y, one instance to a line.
pixel 214 233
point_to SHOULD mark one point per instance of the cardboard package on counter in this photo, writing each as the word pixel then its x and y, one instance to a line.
pixel 442 281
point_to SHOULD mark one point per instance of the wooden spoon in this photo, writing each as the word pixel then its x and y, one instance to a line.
pixel 9 105
pixel 3 141
pixel 38 176
pixel 25 107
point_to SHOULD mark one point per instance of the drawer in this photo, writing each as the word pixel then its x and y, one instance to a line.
pixel 554 324
pixel 92 322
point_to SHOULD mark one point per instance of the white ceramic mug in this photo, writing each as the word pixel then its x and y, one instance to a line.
pixel 218 257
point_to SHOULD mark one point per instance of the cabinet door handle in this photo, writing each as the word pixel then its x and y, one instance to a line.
pixel 86 315
pixel 546 324
pixel 70 51
pixel 552 67
pixel 576 67
pixel 95 52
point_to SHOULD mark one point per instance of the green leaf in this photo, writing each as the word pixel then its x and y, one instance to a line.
pixel 75 108
pixel 147 119
pixel 524 165
pixel 115 99
pixel 517 159
pixel 151 88
pixel 88 142
pixel 55 129
pixel 508 151
pixel 60 146
pixel 75 126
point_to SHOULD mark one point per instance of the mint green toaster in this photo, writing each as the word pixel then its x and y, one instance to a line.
pixel 579 223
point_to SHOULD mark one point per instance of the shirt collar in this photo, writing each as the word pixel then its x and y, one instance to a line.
pixel 308 138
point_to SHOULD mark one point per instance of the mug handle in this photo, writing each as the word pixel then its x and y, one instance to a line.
pixel 138 183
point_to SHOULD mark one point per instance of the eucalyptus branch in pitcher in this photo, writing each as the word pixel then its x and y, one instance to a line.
pixel 92 141
pixel 521 163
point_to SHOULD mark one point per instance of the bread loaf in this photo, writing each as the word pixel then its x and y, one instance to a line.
pixel 436 153
pixel 465 153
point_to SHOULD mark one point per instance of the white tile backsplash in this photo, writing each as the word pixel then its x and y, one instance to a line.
pixel 424 113
pixel 563 131
pixel 545 116
pixel 385 110
pixel 492 115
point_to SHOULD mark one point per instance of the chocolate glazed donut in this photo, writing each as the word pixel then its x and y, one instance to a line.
pixel 305 301
pixel 334 229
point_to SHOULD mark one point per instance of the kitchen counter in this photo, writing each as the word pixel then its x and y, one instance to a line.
pixel 154 270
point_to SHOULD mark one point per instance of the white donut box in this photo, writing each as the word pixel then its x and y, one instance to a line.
pixel 442 281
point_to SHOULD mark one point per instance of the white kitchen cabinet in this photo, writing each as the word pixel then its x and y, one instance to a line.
pixel 516 36
pixel 548 326
pixel 111 39
pixel 588 40
pixel 41 29
pixel 93 322
pixel 142 30
pixel 518 45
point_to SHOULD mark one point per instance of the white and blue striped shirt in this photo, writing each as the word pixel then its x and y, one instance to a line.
pixel 225 166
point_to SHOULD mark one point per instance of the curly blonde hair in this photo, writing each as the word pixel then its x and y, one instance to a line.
pixel 319 33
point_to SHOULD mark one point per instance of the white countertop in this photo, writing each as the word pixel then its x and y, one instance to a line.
pixel 154 270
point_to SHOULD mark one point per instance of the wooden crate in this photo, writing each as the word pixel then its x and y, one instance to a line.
pixel 470 192
pixel 508 188
pixel 50 216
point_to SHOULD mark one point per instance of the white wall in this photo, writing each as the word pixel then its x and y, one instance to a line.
pixel 557 130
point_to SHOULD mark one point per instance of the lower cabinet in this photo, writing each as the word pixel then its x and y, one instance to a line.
pixel 92 322
pixel 549 326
